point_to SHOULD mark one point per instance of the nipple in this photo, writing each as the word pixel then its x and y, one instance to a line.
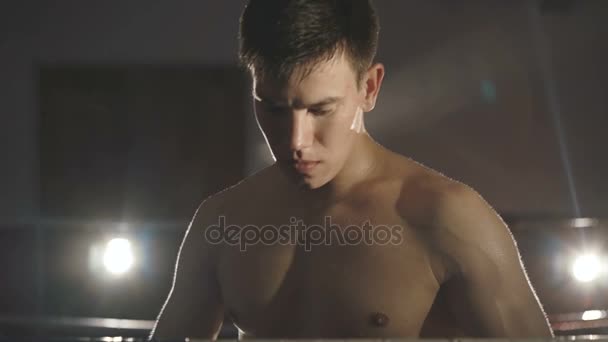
pixel 379 319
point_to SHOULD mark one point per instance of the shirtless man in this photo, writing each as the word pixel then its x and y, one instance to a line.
pixel 451 267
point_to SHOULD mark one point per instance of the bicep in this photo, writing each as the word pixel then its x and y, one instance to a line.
pixel 490 292
pixel 193 307
pixel 495 299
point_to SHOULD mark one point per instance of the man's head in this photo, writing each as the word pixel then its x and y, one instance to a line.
pixel 278 36
pixel 311 63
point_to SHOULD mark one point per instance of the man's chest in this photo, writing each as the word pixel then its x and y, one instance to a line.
pixel 362 270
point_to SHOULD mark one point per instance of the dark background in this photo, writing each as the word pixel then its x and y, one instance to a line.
pixel 120 117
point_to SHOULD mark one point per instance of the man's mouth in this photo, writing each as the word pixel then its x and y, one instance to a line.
pixel 305 166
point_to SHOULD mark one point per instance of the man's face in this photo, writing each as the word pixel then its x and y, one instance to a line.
pixel 311 124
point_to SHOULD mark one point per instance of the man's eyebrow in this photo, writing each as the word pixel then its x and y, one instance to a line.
pixel 326 101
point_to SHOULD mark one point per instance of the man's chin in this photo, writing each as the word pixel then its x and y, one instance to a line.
pixel 305 182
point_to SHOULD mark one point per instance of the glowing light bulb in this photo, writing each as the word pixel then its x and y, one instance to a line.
pixel 118 256
pixel 591 315
pixel 586 268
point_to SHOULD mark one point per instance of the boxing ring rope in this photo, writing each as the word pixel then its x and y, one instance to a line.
pixel 64 329
pixel 573 322
pixel 60 329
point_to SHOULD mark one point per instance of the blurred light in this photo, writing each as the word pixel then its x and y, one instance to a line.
pixel 488 91
pixel 583 222
pixel 586 268
pixel 118 256
pixel 591 315
pixel 112 339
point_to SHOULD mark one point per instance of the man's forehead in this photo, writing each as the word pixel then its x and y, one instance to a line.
pixel 286 95
pixel 270 84
pixel 317 80
pixel 303 69
pixel 310 91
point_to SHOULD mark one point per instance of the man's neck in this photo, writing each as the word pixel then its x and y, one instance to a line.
pixel 363 163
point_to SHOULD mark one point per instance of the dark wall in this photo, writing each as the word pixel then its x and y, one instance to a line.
pixel 138 143
pixel 115 32
pixel 503 96
pixel 508 97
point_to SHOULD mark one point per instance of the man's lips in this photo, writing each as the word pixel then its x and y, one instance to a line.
pixel 304 166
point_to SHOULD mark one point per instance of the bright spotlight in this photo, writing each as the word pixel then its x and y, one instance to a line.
pixel 118 256
pixel 591 315
pixel 583 222
pixel 586 268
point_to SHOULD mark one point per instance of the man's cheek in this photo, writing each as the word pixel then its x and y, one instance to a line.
pixel 336 134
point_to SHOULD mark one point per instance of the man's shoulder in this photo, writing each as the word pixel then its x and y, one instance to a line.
pixel 430 197
pixel 463 212
pixel 422 190
pixel 445 207
pixel 455 218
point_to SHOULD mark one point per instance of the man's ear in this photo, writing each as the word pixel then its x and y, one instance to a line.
pixel 372 82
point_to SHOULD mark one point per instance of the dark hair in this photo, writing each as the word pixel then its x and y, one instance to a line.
pixel 277 36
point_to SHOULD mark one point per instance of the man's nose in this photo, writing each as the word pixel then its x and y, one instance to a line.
pixel 301 135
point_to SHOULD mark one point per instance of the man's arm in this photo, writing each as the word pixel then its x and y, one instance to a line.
pixel 489 293
pixel 193 307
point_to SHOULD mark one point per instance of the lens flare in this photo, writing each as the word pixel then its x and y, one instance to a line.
pixel 118 256
pixel 586 268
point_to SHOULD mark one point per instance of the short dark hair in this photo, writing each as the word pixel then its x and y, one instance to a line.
pixel 277 36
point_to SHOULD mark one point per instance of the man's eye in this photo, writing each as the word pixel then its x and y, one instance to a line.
pixel 319 112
